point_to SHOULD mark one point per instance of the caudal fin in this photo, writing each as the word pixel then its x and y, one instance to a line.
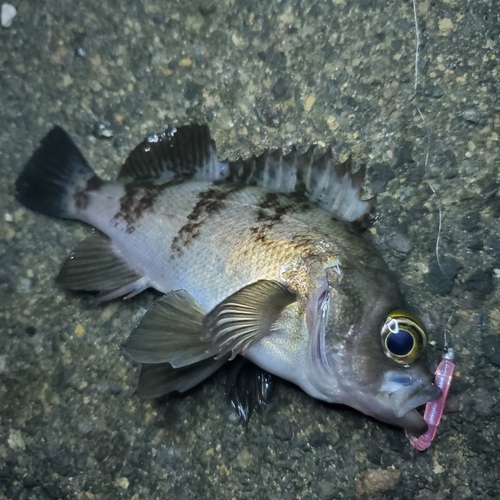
pixel 53 175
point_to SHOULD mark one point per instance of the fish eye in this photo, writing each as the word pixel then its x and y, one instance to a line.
pixel 403 337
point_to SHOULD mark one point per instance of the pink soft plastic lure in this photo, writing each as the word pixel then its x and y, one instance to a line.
pixel 434 409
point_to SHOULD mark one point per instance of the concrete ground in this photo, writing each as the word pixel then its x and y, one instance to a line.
pixel 263 75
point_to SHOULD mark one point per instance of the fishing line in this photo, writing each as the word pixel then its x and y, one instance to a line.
pixel 444 372
pixel 417 41
pixel 438 201
pixel 445 333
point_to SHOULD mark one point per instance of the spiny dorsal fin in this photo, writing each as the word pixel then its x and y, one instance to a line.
pixel 189 152
pixel 333 186
pixel 183 152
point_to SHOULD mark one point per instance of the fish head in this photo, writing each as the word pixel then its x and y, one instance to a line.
pixel 366 351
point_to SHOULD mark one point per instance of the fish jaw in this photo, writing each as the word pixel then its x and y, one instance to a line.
pixel 399 397
pixel 394 401
pixel 380 407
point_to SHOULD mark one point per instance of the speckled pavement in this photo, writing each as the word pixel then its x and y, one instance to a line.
pixel 262 74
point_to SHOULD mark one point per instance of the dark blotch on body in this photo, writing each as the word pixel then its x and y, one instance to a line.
pixel 270 210
pixel 259 233
pixel 210 203
pixel 138 200
pixel 82 197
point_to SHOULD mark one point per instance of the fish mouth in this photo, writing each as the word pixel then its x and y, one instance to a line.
pixel 406 400
pixel 413 423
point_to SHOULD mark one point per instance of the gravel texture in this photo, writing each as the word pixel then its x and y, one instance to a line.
pixel 263 74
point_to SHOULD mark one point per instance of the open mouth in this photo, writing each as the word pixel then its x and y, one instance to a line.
pixel 405 402
pixel 413 423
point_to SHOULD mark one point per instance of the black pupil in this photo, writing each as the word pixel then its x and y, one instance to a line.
pixel 400 343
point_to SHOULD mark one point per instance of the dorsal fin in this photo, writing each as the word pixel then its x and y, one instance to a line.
pixel 189 152
pixel 184 152
pixel 333 186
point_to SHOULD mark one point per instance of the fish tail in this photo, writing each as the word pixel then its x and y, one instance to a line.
pixel 54 176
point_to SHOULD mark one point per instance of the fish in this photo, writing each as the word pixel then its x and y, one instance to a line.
pixel 256 258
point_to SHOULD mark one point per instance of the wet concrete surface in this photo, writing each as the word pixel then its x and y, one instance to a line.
pixel 263 75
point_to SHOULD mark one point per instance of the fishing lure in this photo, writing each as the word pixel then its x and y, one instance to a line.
pixel 434 409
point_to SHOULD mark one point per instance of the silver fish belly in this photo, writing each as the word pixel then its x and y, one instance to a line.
pixel 255 258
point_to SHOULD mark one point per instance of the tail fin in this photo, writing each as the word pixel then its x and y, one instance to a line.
pixel 56 171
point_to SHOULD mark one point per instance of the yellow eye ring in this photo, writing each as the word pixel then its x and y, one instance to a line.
pixel 404 338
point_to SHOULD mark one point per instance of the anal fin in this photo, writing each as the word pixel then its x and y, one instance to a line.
pixel 94 266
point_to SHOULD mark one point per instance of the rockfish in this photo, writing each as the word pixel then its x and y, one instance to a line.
pixel 256 258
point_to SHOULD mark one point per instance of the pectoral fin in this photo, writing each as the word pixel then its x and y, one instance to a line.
pixel 96 266
pixel 170 332
pixel 180 346
pixel 246 316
